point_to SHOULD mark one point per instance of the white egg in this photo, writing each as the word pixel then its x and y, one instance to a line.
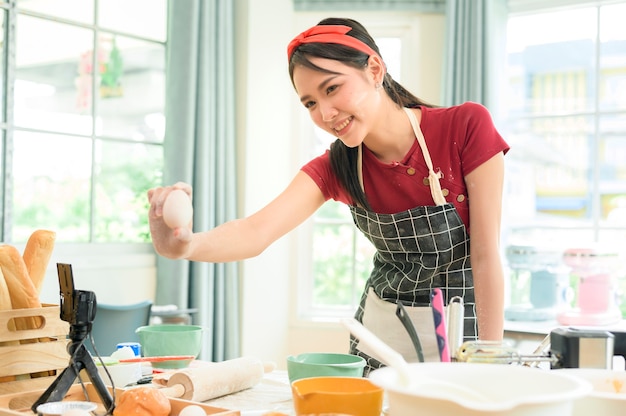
pixel 177 209
pixel 192 410
pixel 76 412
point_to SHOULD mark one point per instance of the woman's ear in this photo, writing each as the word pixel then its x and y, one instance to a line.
pixel 376 68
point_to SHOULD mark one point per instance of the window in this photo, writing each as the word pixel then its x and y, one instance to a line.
pixel 566 120
pixel 84 119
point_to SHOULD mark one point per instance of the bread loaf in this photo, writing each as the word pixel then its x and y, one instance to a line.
pixel 37 255
pixel 22 292
pixel 21 289
pixel 5 297
pixel 142 401
pixel 5 304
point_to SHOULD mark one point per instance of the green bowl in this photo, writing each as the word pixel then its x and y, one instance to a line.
pixel 170 340
pixel 321 364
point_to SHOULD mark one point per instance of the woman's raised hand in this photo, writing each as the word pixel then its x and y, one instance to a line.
pixel 173 240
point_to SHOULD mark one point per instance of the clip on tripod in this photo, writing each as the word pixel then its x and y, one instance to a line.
pixel 78 307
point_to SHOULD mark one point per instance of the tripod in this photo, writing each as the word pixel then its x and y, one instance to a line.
pixel 80 359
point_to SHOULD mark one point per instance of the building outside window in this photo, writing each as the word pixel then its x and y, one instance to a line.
pixel 566 121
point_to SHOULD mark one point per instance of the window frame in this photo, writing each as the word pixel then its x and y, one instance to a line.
pixel 11 11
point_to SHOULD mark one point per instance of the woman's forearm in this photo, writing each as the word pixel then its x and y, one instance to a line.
pixel 232 241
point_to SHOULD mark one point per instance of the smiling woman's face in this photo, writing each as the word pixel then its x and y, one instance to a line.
pixel 342 101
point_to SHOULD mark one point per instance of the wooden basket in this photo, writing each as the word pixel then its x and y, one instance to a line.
pixel 19 404
pixel 32 358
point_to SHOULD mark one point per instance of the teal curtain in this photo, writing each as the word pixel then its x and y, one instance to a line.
pixel 200 149
pixel 475 48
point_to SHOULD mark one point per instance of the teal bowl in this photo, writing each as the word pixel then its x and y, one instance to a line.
pixel 324 364
pixel 166 340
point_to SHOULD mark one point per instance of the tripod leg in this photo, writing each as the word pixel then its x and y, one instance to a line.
pixel 81 359
pixel 59 387
pixel 96 380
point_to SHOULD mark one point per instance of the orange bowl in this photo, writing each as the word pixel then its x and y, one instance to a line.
pixel 354 396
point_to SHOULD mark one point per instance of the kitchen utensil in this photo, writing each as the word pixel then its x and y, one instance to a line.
pixel 439 316
pixel 317 364
pixel 157 359
pixel 608 397
pixel 456 320
pixel 494 352
pixel 385 353
pixel 167 340
pixel 505 390
pixel 214 379
pixel 404 317
pixel 355 396
pixel 395 360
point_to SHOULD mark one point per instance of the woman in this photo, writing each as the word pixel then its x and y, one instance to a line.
pixel 417 179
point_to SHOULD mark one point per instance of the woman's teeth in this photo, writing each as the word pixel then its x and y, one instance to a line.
pixel 343 125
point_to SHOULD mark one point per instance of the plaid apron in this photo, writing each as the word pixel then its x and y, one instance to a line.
pixel 416 250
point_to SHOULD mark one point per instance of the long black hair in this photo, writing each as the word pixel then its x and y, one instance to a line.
pixel 343 159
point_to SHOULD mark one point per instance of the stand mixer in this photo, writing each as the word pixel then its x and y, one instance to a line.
pixel 538 283
pixel 594 281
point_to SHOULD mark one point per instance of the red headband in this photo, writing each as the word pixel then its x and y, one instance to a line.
pixel 328 34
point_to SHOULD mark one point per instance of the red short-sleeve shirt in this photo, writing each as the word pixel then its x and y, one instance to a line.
pixel 458 138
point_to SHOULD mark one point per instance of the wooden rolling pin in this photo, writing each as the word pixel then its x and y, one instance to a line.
pixel 216 379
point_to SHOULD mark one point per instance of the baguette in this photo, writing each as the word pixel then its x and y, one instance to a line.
pixel 37 254
pixel 5 304
pixel 23 293
pixel 21 289
pixel 5 297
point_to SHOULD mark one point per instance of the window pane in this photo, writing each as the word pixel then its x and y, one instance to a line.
pixel 53 76
pixel 124 172
pixel 342 258
pixel 4 200
pixel 51 186
pixel 612 163
pixel 131 98
pixel 131 17
pixel 78 10
pixel 555 153
pixel 613 58
pixel 2 64
pixel 552 67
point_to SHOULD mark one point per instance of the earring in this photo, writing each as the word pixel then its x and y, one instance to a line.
pixel 378 85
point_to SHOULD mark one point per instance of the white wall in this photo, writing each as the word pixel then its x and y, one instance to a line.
pixel 119 274
pixel 265 112
pixel 270 144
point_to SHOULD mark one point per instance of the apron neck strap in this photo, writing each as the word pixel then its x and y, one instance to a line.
pixel 433 178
